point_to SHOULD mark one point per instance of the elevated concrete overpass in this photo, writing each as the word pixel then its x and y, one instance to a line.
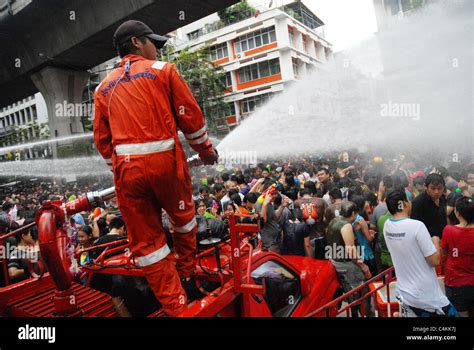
pixel 77 34
pixel 48 45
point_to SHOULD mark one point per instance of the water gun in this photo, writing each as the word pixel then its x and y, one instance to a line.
pixel 207 214
pixel 269 191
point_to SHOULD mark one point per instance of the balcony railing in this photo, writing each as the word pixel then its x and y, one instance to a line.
pixel 248 13
pixel 237 16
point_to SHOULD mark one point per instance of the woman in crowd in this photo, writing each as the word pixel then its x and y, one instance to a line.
pixel 457 245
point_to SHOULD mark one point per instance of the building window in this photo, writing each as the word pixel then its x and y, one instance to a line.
pixel 35 115
pixel 259 70
pixel 255 39
pixel 295 67
pixel 248 105
pixel 227 80
pixel 230 110
pixel 218 52
pixel 305 42
pixel 193 35
pixel 274 66
pixel 227 111
pixel 291 36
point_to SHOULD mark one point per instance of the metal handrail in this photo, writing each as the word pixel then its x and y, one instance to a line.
pixel 387 275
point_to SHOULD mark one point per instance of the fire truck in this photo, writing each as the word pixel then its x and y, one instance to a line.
pixel 233 278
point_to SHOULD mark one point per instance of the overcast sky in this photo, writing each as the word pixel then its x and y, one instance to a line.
pixel 347 21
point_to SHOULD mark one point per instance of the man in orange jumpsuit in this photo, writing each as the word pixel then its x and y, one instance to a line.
pixel 138 109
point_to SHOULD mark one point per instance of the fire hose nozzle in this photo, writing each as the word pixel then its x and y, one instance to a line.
pixel 98 198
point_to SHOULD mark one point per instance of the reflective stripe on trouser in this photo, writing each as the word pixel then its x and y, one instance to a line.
pixel 154 257
pixel 184 238
pixel 165 283
pixel 145 185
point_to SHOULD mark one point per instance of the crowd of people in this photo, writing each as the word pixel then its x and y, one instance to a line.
pixel 364 214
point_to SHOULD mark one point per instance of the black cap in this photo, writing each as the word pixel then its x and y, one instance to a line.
pixel 132 28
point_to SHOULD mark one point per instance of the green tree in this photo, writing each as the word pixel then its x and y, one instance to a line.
pixel 204 78
pixel 236 13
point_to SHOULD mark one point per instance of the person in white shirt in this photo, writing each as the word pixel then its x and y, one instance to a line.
pixel 415 255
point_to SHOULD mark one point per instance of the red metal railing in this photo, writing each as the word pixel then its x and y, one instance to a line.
pixel 328 309
pixel 237 249
pixel 118 245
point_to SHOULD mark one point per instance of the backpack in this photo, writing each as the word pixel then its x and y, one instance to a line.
pixel 309 212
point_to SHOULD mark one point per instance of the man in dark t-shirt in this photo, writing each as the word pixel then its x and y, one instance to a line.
pixel 271 230
pixel 334 208
pixel 296 235
pixel 116 233
pixel 430 207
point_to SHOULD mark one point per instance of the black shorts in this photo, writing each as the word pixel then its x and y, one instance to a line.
pixel 461 297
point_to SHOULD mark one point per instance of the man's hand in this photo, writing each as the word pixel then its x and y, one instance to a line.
pixel 210 157
pixel 463 185
pixel 366 271
pixel 372 234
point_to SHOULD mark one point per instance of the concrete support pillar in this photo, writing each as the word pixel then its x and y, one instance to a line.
pixel 320 53
pixel 311 48
pixel 62 90
pixel 238 114
pixel 298 40
pixel 302 69
pixel 281 31
pixel 230 52
pixel 286 66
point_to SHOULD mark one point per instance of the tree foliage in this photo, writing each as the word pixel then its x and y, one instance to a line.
pixel 204 78
pixel 237 12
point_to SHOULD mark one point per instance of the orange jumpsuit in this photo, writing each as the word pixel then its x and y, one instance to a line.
pixel 138 109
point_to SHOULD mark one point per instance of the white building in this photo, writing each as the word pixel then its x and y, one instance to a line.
pixel 385 9
pixel 22 115
pixel 260 54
